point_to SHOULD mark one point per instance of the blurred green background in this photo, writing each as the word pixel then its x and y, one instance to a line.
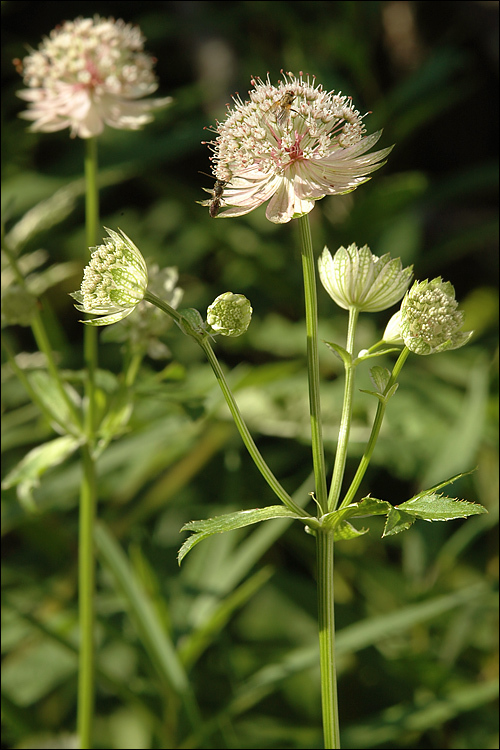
pixel 416 613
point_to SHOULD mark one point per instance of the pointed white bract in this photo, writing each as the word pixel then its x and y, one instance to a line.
pixel 355 278
pixel 114 282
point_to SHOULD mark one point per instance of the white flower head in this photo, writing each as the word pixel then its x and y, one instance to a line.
pixel 355 278
pixel 114 282
pixel 290 144
pixel 229 314
pixel 430 321
pixel 88 73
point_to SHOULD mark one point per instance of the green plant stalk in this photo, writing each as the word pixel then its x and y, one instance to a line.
pixel 377 423
pixel 326 624
pixel 86 585
pixel 88 488
pixel 324 538
pixel 245 433
pixel 311 309
pixel 203 341
pixel 345 421
pixel 91 221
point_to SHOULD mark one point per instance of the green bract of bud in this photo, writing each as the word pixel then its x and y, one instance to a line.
pixel 229 314
pixel 392 333
pixel 355 278
pixel 114 281
pixel 430 321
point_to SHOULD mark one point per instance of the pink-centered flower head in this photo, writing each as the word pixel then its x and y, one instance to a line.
pixel 290 144
pixel 88 73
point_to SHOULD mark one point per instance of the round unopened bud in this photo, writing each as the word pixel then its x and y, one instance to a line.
pixel 430 321
pixel 229 314
pixel 355 278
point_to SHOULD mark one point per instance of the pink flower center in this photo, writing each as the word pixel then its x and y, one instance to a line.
pixel 295 151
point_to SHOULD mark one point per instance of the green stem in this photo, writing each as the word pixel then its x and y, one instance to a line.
pixel 345 421
pixel 244 432
pixel 326 622
pixel 311 309
pixel 91 221
pixel 86 584
pixel 202 339
pixel 162 305
pixel 377 423
pixel 88 489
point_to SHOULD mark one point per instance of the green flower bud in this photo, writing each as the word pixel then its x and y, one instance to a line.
pixel 114 282
pixel 392 333
pixel 355 278
pixel 229 314
pixel 430 321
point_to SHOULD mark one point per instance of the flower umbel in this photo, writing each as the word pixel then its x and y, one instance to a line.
pixel 430 322
pixel 88 73
pixel 229 314
pixel 355 278
pixel 291 144
pixel 114 282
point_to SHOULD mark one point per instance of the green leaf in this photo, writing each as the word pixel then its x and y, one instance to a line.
pixel 49 394
pixel 432 507
pixel 230 521
pixel 28 471
pixel 152 632
pixel 397 521
pixel 344 530
pixel 340 352
pixel 380 376
pixel 369 506
pixel 446 482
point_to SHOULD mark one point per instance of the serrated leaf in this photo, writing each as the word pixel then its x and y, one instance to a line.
pixel 446 482
pixel 340 352
pixel 380 376
pixel 230 521
pixel 397 521
pixel 370 506
pixel 432 507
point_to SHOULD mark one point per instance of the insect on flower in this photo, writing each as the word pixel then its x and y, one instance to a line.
pixel 282 108
pixel 215 201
